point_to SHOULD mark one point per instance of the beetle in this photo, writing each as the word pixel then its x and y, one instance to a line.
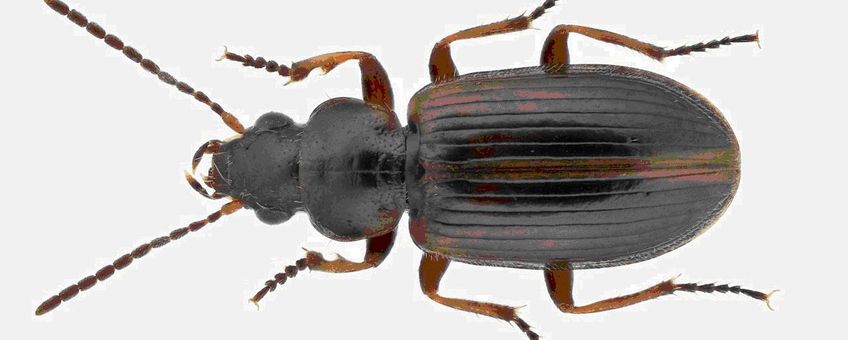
pixel 555 168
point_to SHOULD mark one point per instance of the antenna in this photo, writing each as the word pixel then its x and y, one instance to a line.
pixel 147 64
pixel 127 259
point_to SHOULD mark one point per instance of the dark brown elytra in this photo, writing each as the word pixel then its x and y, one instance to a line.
pixel 493 168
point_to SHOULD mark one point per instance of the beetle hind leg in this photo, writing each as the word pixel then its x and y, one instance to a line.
pixel 555 54
pixel 560 279
pixel 430 273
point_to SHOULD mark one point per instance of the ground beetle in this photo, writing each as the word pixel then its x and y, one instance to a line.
pixel 556 168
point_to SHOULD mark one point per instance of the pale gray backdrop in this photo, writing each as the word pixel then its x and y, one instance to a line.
pixel 94 149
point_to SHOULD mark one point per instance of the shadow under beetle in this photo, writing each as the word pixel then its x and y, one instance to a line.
pixel 556 168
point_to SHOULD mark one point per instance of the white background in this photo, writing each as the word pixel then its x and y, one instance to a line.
pixel 94 148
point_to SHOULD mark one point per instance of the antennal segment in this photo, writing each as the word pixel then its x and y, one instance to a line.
pixel 147 64
pixel 127 259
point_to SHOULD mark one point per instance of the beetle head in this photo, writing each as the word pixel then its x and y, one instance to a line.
pixel 258 168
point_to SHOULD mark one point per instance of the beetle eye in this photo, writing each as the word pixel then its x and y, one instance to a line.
pixel 273 121
pixel 269 216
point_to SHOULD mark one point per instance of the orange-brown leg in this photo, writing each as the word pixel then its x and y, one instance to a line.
pixel 430 273
pixel 442 67
pixel 555 53
pixel 376 88
pixel 559 278
pixel 377 248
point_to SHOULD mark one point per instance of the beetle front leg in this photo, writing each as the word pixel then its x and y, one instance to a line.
pixel 560 281
pixel 430 273
pixel 258 62
pixel 376 88
pixel 377 249
pixel 555 54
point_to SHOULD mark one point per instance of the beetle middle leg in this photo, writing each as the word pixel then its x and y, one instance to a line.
pixel 442 67
pixel 376 88
pixel 560 280
pixel 430 273
pixel 555 52
pixel 377 248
